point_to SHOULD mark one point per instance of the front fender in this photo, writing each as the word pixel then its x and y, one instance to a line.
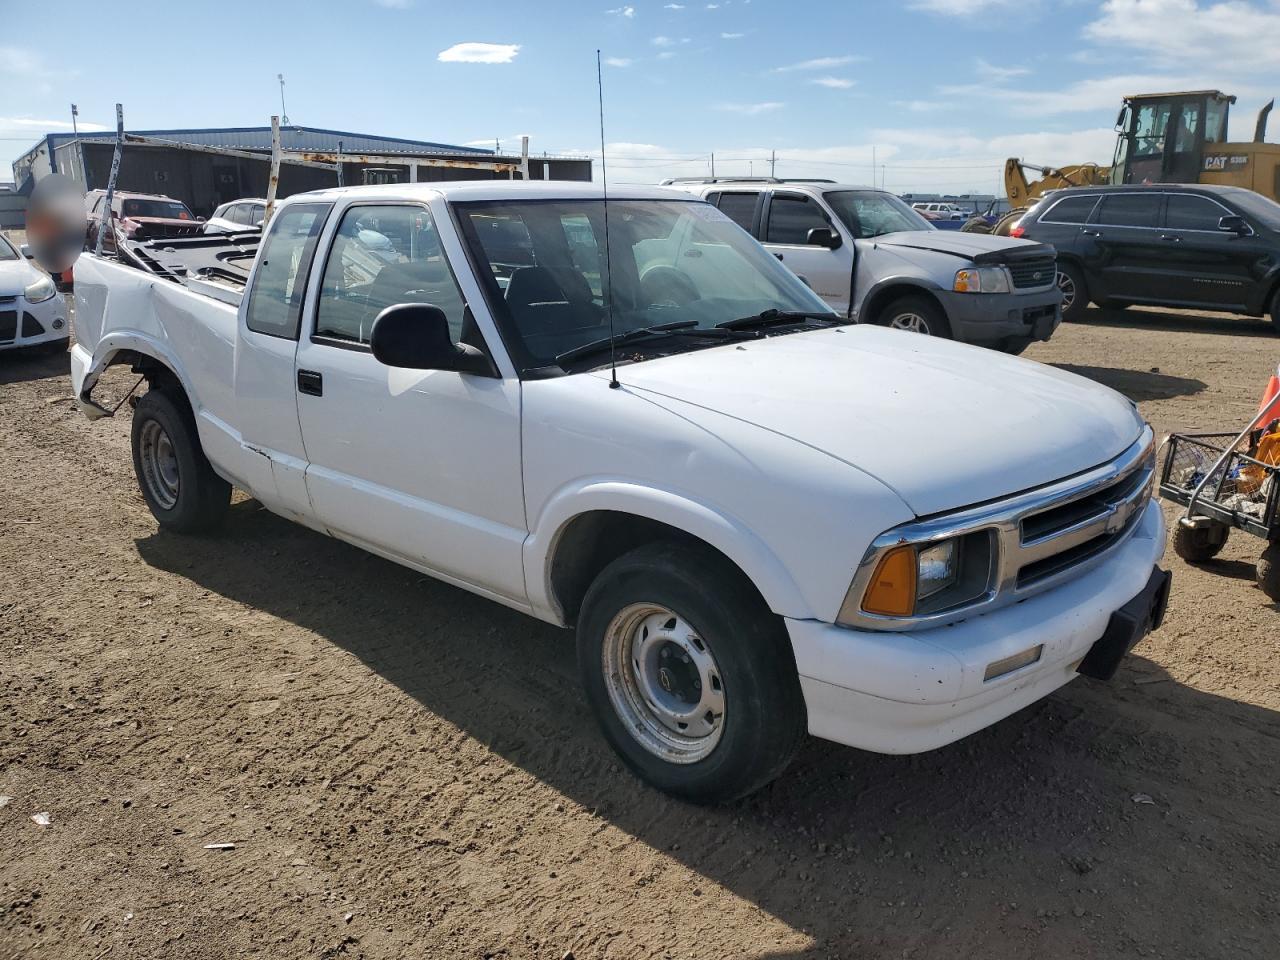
pixel 713 526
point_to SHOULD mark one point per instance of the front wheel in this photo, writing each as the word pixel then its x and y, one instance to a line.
pixel 915 315
pixel 1199 544
pixel 690 676
pixel 1075 292
pixel 177 482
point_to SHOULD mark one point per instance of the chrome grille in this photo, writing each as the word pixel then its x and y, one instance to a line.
pixel 1043 537
pixel 1035 272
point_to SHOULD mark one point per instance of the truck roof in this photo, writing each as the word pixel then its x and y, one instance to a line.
pixel 494 190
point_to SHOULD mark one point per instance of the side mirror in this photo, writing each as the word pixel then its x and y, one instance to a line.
pixel 199 219
pixel 25 250
pixel 823 237
pixel 1237 225
pixel 416 336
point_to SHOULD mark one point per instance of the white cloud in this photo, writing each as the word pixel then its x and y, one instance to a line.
pixel 960 8
pixel 627 12
pixel 993 72
pixel 1230 33
pixel 618 61
pixel 752 109
pixel 919 106
pixel 32 124
pixel 479 53
pixel 818 63
pixel 833 83
pixel 732 36
pixel 30 72
pixel 668 41
pixel 673 6
pixel 395 4
pixel 666 55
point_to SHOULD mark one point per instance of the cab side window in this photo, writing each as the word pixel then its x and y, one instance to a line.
pixel 791 218
pixel 280 280
pixel 382 256
pixel 1070 210
pixel 739 207
pixel 1128 210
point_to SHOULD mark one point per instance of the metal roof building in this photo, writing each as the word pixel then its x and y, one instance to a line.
pixel 195 165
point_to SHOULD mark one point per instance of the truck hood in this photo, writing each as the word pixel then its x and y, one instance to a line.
pixel 976 247
pixel 944 425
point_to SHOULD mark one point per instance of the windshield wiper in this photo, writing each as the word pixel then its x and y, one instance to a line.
pixel 657 331
pixel 775 317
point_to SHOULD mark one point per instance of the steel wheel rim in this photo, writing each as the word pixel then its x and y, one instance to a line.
pixel 159 465
pixel 1068 288
pixel 910 322
pixel 664 683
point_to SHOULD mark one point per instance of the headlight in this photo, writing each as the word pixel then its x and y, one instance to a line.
pixel 916 579
pixel 40 290
pixel 981 280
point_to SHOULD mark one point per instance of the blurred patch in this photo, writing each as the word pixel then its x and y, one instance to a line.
pixel 56 222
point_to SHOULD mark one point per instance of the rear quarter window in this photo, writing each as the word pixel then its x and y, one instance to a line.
pixel 1070 210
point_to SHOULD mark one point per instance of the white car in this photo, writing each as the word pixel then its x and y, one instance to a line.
pixel 942 211
pixel 237 215
pixel 759 518
pixel 32 313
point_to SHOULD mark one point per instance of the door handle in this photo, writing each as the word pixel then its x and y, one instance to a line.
pixel 1091 233
pixel 1172 238
pixel 311 383
pixel 778 255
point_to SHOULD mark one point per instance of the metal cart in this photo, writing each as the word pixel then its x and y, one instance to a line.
pixel 1223 485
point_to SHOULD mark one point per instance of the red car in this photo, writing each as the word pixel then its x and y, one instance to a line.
pixel 138 216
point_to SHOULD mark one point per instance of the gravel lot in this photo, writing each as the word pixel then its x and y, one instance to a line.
pixel 409 771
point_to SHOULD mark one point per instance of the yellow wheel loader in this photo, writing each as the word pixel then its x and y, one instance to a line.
pixel 1161 138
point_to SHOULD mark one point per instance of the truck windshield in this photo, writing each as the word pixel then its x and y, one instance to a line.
pixel 870 213
pixel 544 268
pixel 161 209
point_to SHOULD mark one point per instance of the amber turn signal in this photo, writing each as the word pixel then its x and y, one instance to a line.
pixel 892 592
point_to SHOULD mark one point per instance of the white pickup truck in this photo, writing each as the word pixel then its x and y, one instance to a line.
pixel 770 521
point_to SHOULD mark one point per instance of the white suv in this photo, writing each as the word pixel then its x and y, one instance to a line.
pixel 876 260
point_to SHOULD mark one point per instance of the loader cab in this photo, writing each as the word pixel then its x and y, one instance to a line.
pixel 1162 136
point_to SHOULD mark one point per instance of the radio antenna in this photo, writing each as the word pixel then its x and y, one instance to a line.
pixel 608 262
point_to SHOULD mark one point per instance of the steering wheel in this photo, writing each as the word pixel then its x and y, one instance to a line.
pixel 663 286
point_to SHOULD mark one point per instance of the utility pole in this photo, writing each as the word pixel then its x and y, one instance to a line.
pixel 74 113
pixel 284 114
pixel 873 165
pixel 713 165
pixel 773 163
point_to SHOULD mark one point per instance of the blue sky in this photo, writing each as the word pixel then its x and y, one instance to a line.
pixel 939 90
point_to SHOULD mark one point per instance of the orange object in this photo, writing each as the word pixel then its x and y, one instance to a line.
pixel 1251 476
pixel 1270 397
pixel 893 588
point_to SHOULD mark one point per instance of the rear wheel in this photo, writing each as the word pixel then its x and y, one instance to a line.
pixel 690 676
pixel 1199 544
pixel 915 315
pixel 177 482
pixel 1269 571
pixel 1075 293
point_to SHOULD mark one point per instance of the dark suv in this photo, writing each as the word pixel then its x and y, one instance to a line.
pixel 1173 245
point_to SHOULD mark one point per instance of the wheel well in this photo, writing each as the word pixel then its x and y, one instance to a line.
pixel 882 298
pixel 591 541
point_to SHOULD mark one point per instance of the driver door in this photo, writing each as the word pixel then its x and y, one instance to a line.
pixel 422 466
pixel 788 218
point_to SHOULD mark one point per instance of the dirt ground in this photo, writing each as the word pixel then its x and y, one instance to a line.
pixel 409 771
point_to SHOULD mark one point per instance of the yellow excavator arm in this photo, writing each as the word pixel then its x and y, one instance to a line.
pixel 1023 192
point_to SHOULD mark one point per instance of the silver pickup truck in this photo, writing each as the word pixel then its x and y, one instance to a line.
pixel 876 260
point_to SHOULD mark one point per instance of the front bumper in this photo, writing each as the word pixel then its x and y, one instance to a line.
pixel 995 318
pixel 24 324
pixel 915 691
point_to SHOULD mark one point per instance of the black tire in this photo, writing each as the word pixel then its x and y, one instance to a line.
pixel 1075 291
pixel 928 313
pixel 762 721
pixel 1275 310
pixel 185 496
pixel 1008 221
pixel 1269 572
pixel 1199 544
